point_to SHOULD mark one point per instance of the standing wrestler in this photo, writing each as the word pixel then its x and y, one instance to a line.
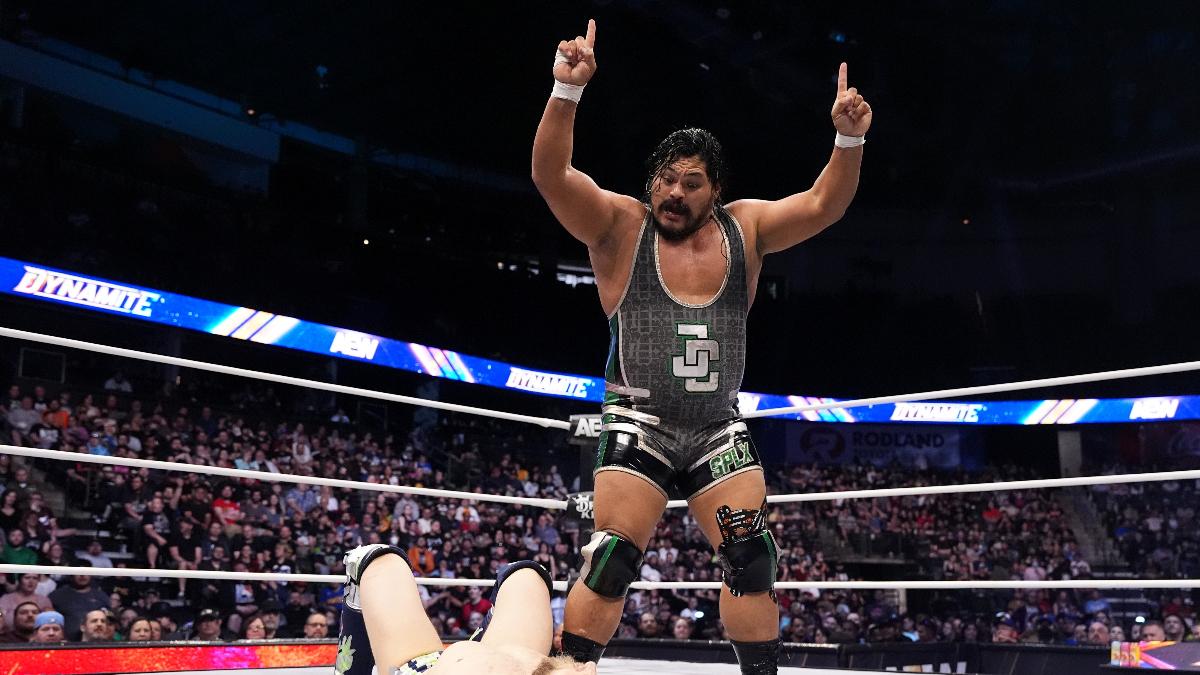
pixel 676 273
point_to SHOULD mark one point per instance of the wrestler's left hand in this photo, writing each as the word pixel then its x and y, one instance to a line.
pixel 851 114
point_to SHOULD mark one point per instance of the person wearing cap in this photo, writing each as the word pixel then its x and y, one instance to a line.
pixel 271 611
pixel 1004 629
pixel 48 627
pixel 207 627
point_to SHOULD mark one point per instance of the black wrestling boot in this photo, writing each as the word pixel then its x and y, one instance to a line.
pixel 756 658
pixel 504 575
pixel 581 649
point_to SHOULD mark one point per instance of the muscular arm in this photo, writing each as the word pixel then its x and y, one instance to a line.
pixel 786 222
pixel 587 211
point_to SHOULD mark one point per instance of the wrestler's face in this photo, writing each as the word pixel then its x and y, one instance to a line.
pixel 682 198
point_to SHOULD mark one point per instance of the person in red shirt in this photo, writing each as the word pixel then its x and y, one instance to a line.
pixel 475 603
pixel 226 509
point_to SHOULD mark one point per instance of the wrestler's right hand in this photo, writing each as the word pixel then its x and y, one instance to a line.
pixel 575 62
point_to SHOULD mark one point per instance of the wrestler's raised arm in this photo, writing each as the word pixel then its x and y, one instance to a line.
pixel 780 224
pixel 587 211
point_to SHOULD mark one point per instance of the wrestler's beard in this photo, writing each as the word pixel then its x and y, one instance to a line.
pixel 691 224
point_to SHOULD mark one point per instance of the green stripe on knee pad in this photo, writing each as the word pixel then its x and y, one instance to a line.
pixel 611 563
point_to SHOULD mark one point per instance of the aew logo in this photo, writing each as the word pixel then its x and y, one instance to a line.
pixel 84 291
pixel 358 345
pixel 1154 409
pixel 698 353
pixel 586 426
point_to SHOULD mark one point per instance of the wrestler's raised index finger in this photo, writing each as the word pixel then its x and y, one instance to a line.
pixel 590 38
pixel 842 78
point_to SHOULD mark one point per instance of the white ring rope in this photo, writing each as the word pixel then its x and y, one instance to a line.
pixel 277 477
pixel 644 585
pixel 281 379
pixel 875 493
pixel 1103 376
pixel 1000 486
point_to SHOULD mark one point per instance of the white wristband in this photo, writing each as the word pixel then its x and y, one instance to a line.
pixel 570 92
pixel 843 141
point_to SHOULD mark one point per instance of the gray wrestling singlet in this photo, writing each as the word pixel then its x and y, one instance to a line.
pixel 673 375
pixel 681 363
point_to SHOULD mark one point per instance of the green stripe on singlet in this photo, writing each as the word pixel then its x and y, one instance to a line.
pixel 612 364
pixel 612 543
pixel 603 447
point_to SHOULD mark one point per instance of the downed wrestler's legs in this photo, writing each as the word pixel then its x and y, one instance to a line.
pixel 383 615
pixel 521 615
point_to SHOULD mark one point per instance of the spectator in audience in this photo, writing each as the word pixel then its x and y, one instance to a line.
pixel 1174 627
pixel 160 613
pixel 96 626
pixel 24 623
pixel 316 625
pixel 648 626
pixel 76 600
pixel 26 591
pixel 682 629
pixel 271 614
pixel 301 500
pixel 1005 630
pixel 140 630
pixel 1152 631
pixel 421 557
pixel 48 627
pixel 1098 634
pixel 22 484
pixel 1096 603
pixel 10 514
pixel 254 628
pixel 118 383
pixel 95 555
pixel 207 627
pixel 184 549
pixel 16 552
pixel 21 420
pixel 156 527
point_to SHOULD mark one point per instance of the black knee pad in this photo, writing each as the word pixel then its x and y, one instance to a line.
pixel 748 555
pixel 611 563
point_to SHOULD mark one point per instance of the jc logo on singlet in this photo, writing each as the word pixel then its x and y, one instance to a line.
pixel 695 365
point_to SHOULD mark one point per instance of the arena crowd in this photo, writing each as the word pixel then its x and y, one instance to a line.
pixel 162 520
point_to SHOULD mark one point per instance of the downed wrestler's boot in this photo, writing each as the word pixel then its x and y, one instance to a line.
pixel 505 574
pixel 354 655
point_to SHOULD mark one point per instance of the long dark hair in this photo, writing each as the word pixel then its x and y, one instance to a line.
pixel 690 142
